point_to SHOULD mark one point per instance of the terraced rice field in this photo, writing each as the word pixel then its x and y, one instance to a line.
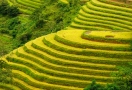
pixel 71 59
pixel 66 61
pixel 99 15
pixel 26 6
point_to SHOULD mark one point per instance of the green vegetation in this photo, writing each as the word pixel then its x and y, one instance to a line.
pixel 61 66
pixel 123 80
pixel 95 86
pixel 5 44
pixel 46 17
pixel 5 72
pixel 11 11
pixel 25 6
pixel 54 16
pixel 59 45
pixel 98 15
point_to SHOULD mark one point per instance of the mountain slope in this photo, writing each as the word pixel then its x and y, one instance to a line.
pixel 56 61
pixel 99 15
pixel 26 6
pixel 70 59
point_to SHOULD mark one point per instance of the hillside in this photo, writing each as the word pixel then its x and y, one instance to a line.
pixel 90 48
pixel 56 61
pixel 44 17
pixel 100 15
pixel 5 40
pixel 26 6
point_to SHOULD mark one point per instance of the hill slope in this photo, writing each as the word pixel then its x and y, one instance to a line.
pixel 71 59
pixel 56 61
pixel 100 15
pixel 26 6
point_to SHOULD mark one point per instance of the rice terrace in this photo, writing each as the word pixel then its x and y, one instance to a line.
pixel 65 45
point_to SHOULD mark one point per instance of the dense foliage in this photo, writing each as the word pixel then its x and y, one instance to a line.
pixel 95 86
pixel 10 11
pixel 55 15
pixel 51 16
pixel 123 80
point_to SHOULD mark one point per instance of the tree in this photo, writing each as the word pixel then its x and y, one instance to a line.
pixel 10 11
pixel 40 24
pixel 4 8
pixel 13 23
pixel 124 77
pixel 13 11
pixel 25 37
pixel 112 87
pixel 94 86
pixel 123 80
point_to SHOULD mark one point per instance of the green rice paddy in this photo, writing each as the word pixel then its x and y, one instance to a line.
pixel 93 45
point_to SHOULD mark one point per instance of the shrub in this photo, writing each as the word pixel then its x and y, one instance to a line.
pixel 14 33
pixel 14 22
pixel 124 77
pixel 123 80
pixel 4 8
pixel 94 86
pixel 112 87
pixel 4 31
pixel 16 43
pixel 13 11
pixel 10 11
pixel 25 37
pixel 39 24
